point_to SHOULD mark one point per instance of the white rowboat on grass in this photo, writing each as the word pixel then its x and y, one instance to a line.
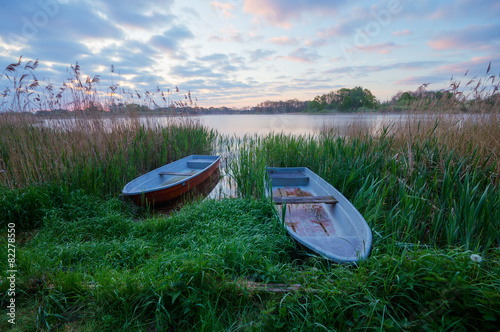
pixel 318 216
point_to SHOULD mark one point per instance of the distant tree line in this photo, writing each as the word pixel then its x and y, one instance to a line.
pixel 344 100
pixel 289 106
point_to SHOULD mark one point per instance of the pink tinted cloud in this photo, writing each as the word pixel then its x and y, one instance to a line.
pixel 404 32
pixel 284 41
pixel 347 26
pixel 225 8
pixel 282 12
pixel 444 44
pixel 412 80
pixel 479 37
pixel 301 54
pixel 474 66
pixel 382 48
pixel 315 43
pixel 420 80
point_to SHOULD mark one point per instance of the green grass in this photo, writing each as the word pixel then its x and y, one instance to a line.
pixel 93 256
pixel 89 268
pixel 88 261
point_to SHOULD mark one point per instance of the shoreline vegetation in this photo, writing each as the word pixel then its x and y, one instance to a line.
pixel 87 261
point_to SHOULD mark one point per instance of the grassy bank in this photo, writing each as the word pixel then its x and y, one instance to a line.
pixel 93 267
pixel 86 261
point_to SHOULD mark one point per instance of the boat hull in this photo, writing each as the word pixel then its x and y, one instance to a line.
pixel 318 216
pixel 171 181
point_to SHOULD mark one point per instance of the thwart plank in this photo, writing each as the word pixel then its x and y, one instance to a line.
pixel 305 200
pixel 176 173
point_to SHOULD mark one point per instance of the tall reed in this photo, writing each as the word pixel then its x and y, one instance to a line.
pixel 465 117
pixel 98 154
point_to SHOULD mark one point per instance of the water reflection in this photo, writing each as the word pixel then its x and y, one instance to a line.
pixel 199 192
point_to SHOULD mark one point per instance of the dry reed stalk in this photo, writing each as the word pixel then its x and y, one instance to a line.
pixel 465 118
pixel 80 93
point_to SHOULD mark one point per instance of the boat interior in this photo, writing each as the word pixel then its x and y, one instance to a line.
pixel 171 173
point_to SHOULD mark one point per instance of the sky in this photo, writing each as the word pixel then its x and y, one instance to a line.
pixel 239 53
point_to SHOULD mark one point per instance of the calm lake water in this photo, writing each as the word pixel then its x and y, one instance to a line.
pixel 263 124
pixel 295 124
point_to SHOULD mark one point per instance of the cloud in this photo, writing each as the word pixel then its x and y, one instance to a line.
pixel 301 54
pixel 345 28
pixel 416 65
pixel 224 63
pixel 462 72
pixel 169 41
pixel 226 8
pixel 146 80
pixel 316 42
pixel 478 37
pixel 383 48
pixel 282 12
pixel 466 9
pixel 59 49
pixel 25 21
pixel 216 57
pixel 371 21
pixel 404 32
pixel 354 71
pixel 195 69
pixel 284 41
pixel 420 80
pixel 221 91
pixel 475 66
pixel 362 71
pixel 229 34
pixel 90 32
pixel 260 55
pixel 133 14
pixel 131 56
